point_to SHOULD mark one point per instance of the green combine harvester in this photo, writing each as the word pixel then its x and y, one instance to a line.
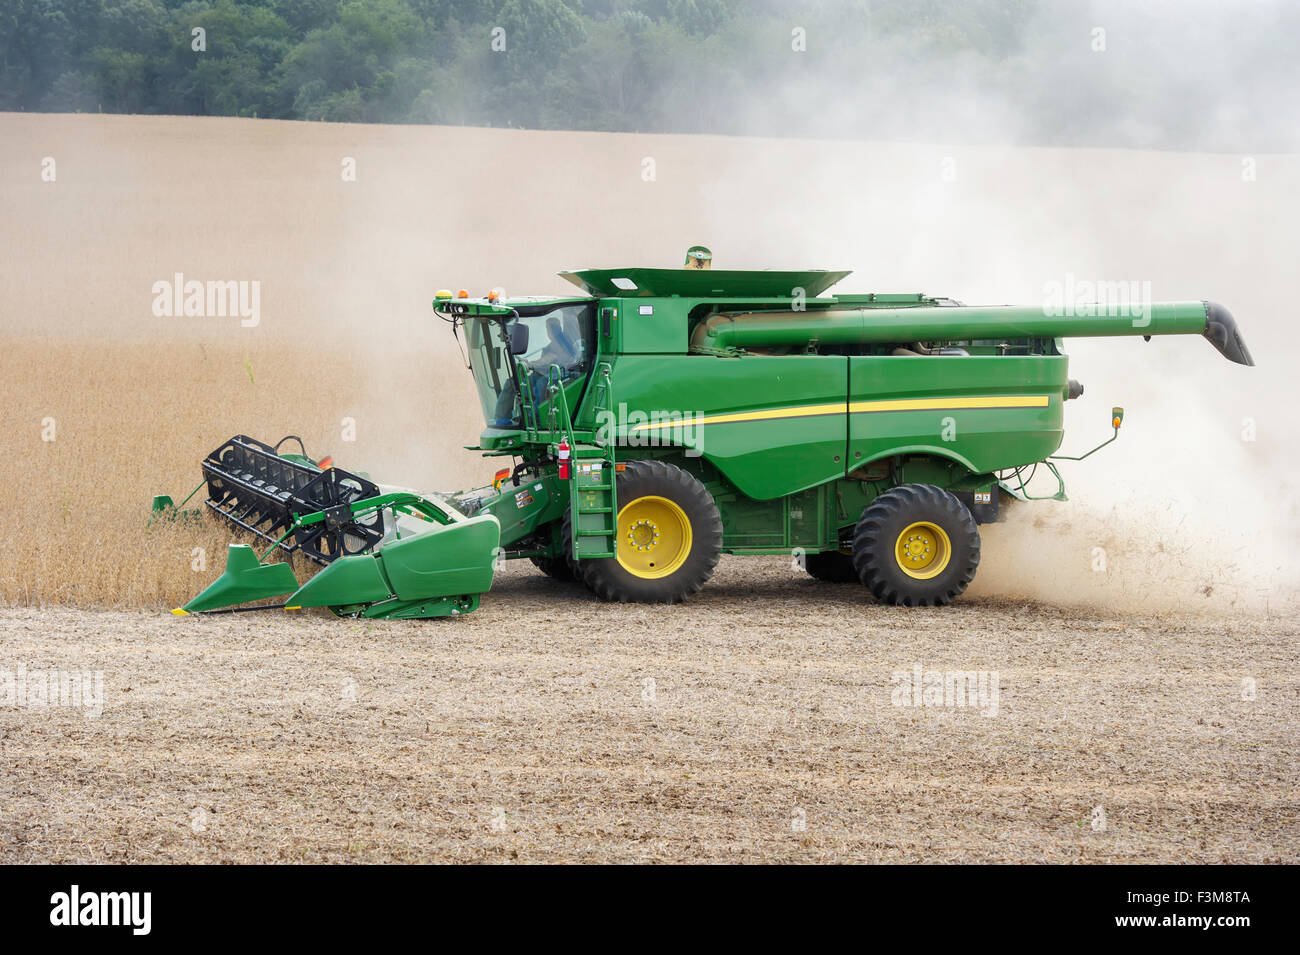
pixel 659 418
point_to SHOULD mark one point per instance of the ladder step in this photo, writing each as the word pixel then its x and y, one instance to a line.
pixel 592 492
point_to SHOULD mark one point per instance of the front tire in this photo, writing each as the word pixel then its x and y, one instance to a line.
pixel 916 545
pixel 669 537
pixel 576 568
pixel 557 568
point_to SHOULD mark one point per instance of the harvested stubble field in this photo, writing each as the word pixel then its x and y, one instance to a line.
pixel 755 723
pixel 529 732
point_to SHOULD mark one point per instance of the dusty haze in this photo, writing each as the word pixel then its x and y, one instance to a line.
pixel 523 731
pixel 1188 512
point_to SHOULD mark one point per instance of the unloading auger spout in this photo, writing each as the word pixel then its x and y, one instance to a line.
pixel 861 326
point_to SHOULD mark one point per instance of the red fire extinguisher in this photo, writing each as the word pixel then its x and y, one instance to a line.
pixel 564 459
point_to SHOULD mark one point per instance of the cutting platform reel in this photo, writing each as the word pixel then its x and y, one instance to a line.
pixel 384 552
pixel 255 487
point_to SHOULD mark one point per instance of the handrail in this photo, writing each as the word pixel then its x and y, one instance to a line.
pixel 1023 485
pixel 526 404
pixel 605 393
pixel 559 415
pixel 555 386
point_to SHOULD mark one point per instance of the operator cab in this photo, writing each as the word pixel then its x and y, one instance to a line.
pixel 551 340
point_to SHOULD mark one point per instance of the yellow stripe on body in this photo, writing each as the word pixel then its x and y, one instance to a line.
pixel 769 414
pixel 856 407
pixel 945 404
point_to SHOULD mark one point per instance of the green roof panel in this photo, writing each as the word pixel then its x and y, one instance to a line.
pixel 702 283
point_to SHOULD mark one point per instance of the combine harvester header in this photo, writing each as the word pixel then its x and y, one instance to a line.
pixel 659 418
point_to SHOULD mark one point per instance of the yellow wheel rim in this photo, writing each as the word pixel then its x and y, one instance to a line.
pixel 654 537
pixel 923 550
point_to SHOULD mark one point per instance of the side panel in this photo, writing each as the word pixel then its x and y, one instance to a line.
pixel 445 561
pixel 804 520
pixel 989 412
pixel 648 325
pixel 538 500
pixel 774 425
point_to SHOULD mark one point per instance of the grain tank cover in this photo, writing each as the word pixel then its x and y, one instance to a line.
pixel 702 283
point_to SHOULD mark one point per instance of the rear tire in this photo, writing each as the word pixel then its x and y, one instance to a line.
pixel 832 567
pixel 669 536
pixel 916 545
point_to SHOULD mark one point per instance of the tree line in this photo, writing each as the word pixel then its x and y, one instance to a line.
pixel 993 70
pixel 581 64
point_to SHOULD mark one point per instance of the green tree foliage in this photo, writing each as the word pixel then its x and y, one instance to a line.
pixel 584 64
pixel 937 69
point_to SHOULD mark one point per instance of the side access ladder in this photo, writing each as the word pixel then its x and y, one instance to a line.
pixel 591 496
pixel 592 467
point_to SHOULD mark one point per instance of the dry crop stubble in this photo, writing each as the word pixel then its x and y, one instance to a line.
pixel 126 422
pixel 305 738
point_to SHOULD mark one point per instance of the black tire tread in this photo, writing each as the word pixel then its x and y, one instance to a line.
pixel 876 533
pixel 578 568
pixel 557 568
pixel 832 567
pixel 609 581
